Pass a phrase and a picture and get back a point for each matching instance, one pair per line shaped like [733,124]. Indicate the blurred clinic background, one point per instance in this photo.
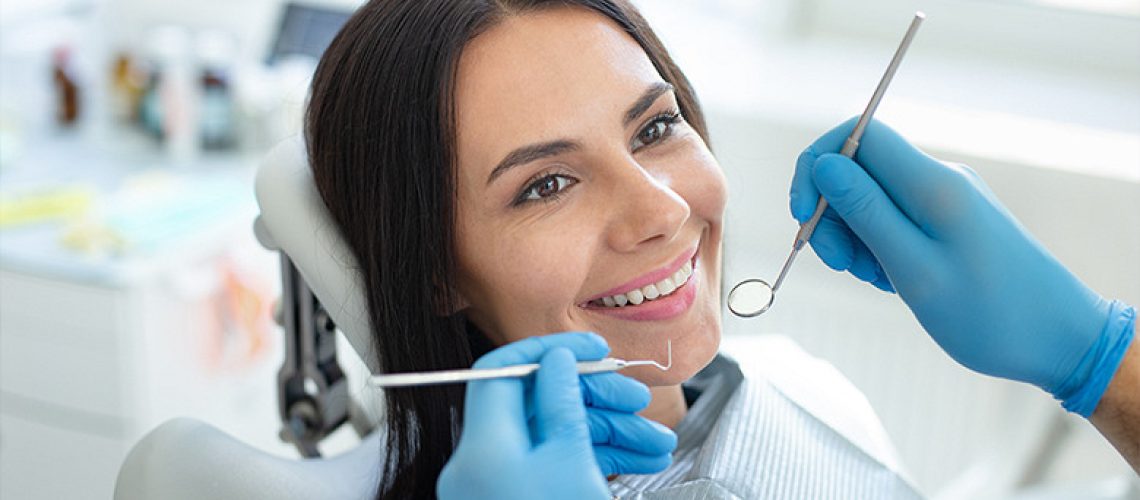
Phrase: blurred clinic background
[133,291]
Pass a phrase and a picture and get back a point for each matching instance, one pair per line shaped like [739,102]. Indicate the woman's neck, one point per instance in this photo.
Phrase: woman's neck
[667,405]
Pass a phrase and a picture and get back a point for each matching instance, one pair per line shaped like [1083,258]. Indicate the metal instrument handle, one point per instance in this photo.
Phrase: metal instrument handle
[852,144]
[456,376]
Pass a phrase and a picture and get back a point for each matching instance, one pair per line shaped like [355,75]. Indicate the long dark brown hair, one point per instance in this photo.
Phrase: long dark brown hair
[380,130]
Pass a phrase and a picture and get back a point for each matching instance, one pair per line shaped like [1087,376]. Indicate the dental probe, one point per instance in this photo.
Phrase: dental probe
[756,295]
[515,371]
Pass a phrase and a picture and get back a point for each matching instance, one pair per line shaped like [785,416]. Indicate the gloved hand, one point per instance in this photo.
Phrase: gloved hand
[991,296]
[576,435]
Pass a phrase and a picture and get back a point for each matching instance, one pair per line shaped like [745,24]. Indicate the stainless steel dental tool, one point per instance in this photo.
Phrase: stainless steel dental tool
[458,376]
[752,297]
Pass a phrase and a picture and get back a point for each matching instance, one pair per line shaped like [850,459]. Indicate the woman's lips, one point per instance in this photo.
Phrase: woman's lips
[660,309]
[648,278]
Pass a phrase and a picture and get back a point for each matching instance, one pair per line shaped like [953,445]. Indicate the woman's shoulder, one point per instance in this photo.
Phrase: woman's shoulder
[816,386]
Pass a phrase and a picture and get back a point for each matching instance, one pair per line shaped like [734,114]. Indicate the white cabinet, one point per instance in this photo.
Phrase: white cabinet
[54,452]
[89,362]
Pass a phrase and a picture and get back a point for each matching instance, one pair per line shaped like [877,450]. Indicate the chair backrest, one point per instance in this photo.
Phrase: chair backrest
[187,459]
[294,220]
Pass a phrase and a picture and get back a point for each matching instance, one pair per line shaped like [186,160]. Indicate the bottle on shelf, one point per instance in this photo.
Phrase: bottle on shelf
[66,87]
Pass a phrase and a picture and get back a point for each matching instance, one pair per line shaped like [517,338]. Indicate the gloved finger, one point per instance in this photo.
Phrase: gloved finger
[869,212]
[884,282]
[502,406]
[558,409]
[841,250]
[495,409]
[831,241]
[870,270]
[803,195]
[863,265]
[621,461]
[907,174]
[614,391]
[902,170]
[831,141]
[630,432]
[586,346]
[611,391]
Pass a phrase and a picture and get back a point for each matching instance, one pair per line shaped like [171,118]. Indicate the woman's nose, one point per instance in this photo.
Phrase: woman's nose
[648,208]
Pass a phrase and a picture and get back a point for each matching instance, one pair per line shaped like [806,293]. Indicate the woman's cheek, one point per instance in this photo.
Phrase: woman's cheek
[548,274]
[706,189]
[700,178]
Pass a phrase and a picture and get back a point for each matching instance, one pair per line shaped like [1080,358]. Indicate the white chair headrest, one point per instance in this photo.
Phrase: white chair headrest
[294,219]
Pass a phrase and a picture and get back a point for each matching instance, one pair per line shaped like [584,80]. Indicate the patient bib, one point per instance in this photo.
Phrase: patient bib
[765,433]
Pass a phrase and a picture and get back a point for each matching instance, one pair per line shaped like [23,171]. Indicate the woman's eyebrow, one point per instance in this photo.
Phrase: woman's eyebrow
[532,152]
[645,101]
[538,151]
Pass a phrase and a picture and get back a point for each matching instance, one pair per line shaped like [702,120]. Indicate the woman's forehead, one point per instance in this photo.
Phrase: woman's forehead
[545,74]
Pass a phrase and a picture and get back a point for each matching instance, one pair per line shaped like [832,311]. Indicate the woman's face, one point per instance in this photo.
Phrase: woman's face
[579,180]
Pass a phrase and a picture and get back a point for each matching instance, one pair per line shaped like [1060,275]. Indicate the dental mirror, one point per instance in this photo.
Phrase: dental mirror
[752,297]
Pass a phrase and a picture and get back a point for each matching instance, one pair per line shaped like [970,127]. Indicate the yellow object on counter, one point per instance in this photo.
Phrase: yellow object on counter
[51,204]
[93,239]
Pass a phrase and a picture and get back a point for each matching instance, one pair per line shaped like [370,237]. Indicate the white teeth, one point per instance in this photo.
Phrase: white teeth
[653,291]
[635,296]
[683,273]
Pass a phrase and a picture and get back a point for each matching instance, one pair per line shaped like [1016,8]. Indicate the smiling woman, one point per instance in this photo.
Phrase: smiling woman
[503,169]
[490,163]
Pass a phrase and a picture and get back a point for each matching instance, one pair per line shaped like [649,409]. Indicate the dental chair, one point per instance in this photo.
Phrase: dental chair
[188,459]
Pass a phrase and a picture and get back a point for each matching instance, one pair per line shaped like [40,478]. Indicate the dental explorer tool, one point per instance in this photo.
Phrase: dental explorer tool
[515,371]
[752,297]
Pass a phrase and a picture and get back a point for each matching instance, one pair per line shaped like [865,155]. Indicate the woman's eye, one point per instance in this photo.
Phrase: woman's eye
[657,129]
[546,188]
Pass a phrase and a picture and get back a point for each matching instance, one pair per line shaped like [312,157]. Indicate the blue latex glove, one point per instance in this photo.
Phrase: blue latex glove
[989,294]
[577,433]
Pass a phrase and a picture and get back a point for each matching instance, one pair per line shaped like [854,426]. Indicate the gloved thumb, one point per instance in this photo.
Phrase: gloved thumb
[867,210]
[559,410]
